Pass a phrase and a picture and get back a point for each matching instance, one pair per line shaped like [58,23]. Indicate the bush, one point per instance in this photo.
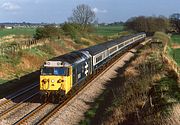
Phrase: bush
[47,31]
[69,29]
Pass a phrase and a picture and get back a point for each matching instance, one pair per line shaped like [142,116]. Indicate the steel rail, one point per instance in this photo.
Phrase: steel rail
[30,114]
[21,92]
[3,114]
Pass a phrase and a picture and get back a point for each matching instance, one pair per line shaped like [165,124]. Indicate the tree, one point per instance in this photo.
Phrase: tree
[175,22]
[82,15]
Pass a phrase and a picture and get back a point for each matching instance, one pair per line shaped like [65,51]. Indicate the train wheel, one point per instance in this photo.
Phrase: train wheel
[53,98]
[44,98]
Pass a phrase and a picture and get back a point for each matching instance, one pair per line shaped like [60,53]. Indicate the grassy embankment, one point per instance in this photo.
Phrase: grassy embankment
[14,65]
[146,92]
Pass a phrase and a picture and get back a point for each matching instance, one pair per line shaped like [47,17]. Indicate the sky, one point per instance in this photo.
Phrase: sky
[108,11]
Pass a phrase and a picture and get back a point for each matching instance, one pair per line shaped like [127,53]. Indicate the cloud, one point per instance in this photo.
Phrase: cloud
[10,6]
[96,10]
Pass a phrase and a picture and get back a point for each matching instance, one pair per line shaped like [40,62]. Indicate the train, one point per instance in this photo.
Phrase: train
[62,74]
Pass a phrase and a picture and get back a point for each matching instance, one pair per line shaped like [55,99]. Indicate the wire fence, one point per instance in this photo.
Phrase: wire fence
[22,45]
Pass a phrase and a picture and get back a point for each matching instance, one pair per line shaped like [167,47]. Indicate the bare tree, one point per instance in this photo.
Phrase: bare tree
[175,21]
[82,15]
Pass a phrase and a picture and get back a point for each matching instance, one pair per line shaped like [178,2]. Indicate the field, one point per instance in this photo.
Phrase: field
[175,54]
[175,51]
[175,39]
[17,31]
[109,30]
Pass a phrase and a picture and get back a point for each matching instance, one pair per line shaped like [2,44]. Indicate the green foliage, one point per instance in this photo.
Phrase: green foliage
[17,31]
[47,31]
[41,51]
[2,81]
[47,49]
[175,54]
[69,29]
[170,51]
[13,59]
[175,39]
[74,30]
[165,94]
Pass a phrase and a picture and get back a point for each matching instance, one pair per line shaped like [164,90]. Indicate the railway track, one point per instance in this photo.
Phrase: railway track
[30,114]
[18,100]
[48,110]
[17,94]
[42,120]
[4,113]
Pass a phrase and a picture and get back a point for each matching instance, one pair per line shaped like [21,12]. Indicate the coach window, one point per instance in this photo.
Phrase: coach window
[113,49]
[99,58]
[121,45]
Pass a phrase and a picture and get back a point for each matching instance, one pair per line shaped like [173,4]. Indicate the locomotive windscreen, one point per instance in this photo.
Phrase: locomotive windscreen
[60,71]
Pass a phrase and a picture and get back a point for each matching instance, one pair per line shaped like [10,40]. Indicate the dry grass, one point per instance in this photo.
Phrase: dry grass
[131,72]
[29,61]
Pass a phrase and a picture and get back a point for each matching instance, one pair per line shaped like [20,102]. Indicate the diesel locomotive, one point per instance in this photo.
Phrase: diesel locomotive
[61,74]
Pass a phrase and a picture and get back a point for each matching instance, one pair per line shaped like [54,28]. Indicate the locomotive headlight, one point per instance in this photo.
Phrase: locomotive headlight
[52,80]
[58,63]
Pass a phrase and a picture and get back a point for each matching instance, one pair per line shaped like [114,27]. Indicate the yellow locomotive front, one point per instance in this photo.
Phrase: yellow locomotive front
[55,78]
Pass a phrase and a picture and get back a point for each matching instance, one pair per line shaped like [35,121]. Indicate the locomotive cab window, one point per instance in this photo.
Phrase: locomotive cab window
[47,71]
[61,71]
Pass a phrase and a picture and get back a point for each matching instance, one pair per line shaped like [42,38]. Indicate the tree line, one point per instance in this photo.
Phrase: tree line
[152,24]
[80,23]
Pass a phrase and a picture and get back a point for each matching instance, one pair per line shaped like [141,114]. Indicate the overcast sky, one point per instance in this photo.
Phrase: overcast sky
[57,11]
